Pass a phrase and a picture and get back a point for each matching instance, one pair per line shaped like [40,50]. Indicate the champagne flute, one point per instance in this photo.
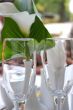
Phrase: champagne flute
[56,79]
[17,60]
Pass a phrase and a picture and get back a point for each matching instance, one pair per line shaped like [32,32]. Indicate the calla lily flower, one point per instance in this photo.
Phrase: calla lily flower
[23,19]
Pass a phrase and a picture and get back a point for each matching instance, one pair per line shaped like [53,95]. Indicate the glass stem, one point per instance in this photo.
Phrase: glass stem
[58,103]
[27,51]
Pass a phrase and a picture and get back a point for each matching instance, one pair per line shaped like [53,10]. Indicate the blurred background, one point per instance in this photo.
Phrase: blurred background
[51,10]
[55,10]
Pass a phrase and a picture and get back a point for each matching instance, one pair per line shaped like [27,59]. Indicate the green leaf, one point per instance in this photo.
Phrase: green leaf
[0,51]
[7,51]
[38,31]
[41,34]
[44,44]
[14,48]
[11,29]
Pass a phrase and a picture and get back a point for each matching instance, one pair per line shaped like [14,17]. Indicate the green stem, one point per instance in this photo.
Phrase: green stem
[27,51]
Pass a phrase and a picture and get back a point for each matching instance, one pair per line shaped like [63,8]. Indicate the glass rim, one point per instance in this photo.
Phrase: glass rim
[59,38]
[54,38]
[32,39]
[18,39]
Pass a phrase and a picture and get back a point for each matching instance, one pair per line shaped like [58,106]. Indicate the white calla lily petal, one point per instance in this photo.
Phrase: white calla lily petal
[24,20]
[7,8]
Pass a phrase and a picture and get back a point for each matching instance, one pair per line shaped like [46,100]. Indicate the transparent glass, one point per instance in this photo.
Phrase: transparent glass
[18,60]
[57,72]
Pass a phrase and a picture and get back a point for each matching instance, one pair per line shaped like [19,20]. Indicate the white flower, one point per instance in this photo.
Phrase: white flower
[7,8]
[23,19]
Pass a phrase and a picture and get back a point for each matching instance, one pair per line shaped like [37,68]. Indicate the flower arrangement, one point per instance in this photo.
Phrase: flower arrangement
[22,25]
